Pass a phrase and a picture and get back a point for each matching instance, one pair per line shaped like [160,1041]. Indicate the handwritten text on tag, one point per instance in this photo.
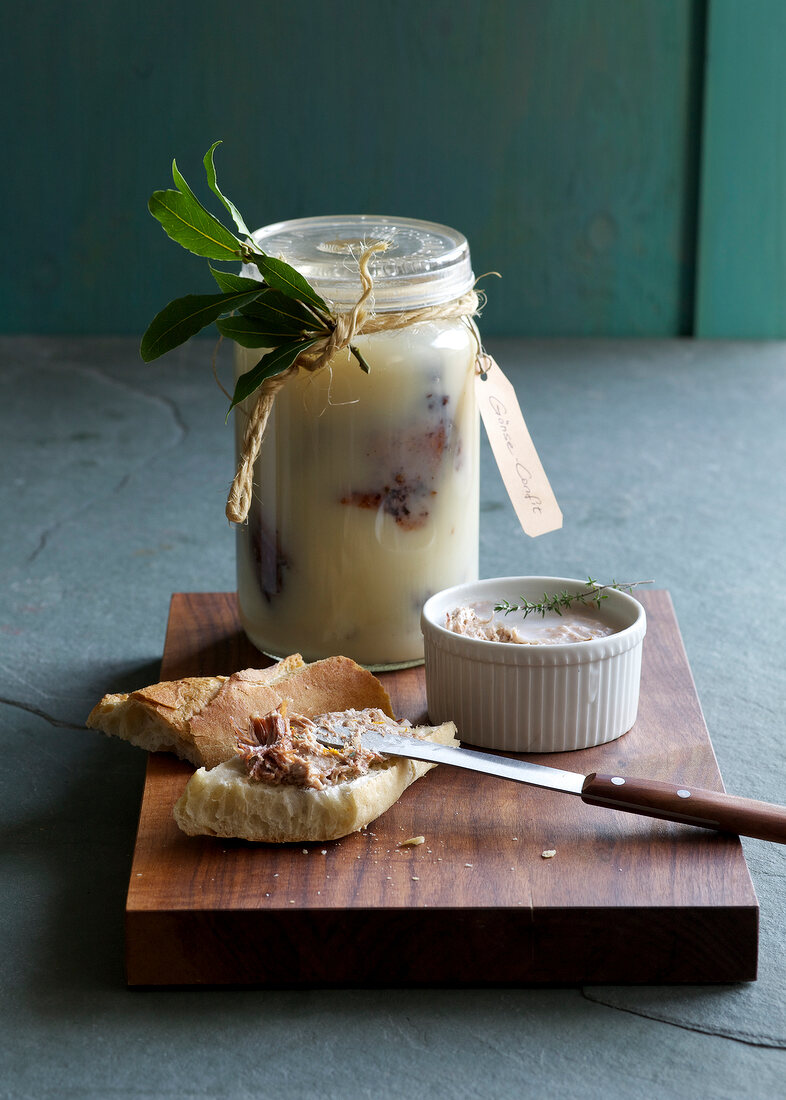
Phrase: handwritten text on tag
[522,473]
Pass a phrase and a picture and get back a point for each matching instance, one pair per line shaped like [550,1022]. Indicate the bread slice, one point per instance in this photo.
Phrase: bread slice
[193,717]
[225,802]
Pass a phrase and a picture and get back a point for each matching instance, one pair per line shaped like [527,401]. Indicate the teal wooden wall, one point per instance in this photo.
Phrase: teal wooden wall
[563,137]
[741,291]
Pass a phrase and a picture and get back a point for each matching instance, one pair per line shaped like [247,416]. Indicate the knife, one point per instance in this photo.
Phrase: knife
[672,801]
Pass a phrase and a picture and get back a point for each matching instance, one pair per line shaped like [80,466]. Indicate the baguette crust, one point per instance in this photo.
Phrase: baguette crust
[225,802]
[158,718]
[194,717]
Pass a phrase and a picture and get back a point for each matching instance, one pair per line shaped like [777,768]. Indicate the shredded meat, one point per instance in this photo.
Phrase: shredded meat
[282,749]
[404,482]
[465,620]
[408,502]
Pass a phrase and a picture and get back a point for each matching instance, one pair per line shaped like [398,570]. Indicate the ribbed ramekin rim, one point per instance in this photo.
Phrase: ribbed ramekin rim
[515,654]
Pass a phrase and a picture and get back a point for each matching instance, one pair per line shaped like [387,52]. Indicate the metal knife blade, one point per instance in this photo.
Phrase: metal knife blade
[671,801]
[506,768]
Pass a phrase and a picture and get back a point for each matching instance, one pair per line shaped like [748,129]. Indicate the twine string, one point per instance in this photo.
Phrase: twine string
[360,320]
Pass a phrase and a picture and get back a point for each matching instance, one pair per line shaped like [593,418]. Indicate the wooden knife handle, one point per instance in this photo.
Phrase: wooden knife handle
[690,805]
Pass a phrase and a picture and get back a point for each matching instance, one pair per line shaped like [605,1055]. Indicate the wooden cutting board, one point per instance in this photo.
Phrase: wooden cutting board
[625,898]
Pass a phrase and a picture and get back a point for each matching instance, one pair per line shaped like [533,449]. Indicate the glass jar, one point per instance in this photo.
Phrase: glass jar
[365,496]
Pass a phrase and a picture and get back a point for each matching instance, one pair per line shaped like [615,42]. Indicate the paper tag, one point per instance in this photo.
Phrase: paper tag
[515,454]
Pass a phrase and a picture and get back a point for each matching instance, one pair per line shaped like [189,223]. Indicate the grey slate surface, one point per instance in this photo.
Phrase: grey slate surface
[668,460]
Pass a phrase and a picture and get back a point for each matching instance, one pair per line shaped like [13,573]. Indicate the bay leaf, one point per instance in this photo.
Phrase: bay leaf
[252,333]
[230,281]
[275,362]
[186,221]
[184,317]
[210,170]
[275,308]
[280,276]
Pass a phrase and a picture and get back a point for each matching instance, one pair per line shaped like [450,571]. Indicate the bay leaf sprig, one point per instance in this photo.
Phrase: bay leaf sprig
[557,601]
[280,312]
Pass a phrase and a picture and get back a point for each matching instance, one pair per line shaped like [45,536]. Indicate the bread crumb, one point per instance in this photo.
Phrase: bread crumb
[305,851]
[412,842]
[415,878]
[469,864]
[549,853]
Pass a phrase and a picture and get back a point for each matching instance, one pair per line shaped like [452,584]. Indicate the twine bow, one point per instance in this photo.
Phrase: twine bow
[360,320]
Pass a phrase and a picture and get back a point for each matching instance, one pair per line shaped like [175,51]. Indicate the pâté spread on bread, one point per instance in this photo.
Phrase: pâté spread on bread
[264,776]
[283,786]
[281,748]
[552,629]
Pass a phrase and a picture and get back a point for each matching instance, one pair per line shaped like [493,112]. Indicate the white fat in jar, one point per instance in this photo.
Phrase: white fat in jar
[365,494]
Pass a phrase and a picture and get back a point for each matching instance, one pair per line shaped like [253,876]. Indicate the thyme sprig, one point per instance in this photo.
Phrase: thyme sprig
[280,313]
[555,602]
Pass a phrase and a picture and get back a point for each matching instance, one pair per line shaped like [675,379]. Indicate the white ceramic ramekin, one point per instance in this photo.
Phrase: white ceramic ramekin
[533,698]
